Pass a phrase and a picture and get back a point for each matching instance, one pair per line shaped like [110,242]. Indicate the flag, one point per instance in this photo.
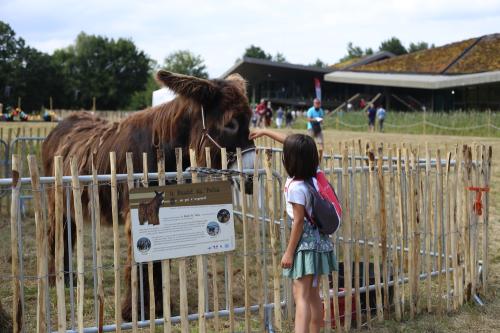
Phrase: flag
[317,87]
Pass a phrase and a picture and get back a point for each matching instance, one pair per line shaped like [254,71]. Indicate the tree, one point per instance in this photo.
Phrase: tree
[107,69]
[256,52]
[279,57]
[185,62]
[393,45]
[419,46]
[354,52]
[319,63]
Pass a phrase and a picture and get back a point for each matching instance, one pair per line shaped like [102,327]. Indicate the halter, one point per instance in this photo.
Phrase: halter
[231,156]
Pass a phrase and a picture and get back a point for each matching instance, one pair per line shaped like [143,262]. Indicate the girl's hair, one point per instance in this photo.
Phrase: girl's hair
[300,156]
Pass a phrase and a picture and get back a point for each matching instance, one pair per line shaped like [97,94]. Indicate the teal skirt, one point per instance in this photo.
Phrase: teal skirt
[310,262]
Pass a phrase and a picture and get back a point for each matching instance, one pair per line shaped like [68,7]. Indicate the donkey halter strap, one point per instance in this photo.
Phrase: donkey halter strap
[205,131]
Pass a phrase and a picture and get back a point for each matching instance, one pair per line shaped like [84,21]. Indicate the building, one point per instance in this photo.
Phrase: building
[464,75]
[459,76]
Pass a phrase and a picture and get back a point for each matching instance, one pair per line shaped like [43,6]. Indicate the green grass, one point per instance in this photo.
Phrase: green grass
[456,123]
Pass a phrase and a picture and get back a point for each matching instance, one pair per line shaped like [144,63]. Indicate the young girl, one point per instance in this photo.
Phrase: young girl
[309,254]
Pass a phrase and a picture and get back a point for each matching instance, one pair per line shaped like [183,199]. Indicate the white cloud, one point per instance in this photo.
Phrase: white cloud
[221,30]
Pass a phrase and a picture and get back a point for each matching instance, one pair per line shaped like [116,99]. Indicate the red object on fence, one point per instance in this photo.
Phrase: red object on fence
[477,207]
[341,311]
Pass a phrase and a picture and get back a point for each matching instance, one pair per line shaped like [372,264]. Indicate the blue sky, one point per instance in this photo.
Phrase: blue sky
[220,30]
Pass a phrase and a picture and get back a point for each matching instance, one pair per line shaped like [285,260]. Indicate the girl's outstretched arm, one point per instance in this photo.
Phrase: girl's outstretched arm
[278,136]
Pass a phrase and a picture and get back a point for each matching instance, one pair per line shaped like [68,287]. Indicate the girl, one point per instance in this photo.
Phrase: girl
[309,254]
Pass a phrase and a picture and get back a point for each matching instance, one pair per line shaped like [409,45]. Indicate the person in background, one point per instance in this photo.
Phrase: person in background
[279,117]
[362,104]
[381,117]
[260,110]
[268,115]
[255,117]
[289,118]
[371,114]
[315,116]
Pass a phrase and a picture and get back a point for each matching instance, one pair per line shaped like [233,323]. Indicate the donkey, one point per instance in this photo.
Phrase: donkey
[149,211]
[205,113]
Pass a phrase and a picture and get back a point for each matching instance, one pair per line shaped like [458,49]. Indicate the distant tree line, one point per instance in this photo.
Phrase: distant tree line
[114,71]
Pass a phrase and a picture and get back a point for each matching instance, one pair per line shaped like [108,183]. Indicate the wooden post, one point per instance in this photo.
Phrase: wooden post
[346,219]
[258,245]
[402,218]
[383,227]
[467,218]
[151,285]
[375,235]
[229,258]
[356,236]
[41,246]
[17,314]
[77,203]
[59,244]
[245,241]
[335,274]
[182,261]
[133,267]
[486,172]
[447,229]
[395,240]
[116,241]
[199,259]
[429,227]
[165,264]
[274,240]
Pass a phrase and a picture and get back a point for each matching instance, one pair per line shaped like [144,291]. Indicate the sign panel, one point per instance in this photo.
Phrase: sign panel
[181,220]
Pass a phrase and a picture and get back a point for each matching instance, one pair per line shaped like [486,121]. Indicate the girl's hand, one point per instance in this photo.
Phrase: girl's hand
[256,133]
[287,260]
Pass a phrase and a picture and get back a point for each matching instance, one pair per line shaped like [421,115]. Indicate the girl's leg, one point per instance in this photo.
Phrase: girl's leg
[301,294]
[316,310]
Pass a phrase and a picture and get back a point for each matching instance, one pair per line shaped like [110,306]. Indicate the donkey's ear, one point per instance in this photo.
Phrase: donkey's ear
[239,82]
[201,90]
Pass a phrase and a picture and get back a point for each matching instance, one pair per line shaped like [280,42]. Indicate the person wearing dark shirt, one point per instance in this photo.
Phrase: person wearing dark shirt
[371,113]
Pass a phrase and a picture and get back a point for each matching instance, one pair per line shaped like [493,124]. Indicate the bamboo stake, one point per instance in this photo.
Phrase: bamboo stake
[346,219]
[116,241]
[133,270]
[165,264]
[202,322]
[77,203]
[17,314]
[229,258]
[375,236]
[274,240]
[182,261]
[59,244]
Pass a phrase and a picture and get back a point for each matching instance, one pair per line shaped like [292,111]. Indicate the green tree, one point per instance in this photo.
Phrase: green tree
[186,62]
[354,52]
[26,73]
[419,46]
[279,57]
[256,52]
[319,63]
[110,70]
[393,45]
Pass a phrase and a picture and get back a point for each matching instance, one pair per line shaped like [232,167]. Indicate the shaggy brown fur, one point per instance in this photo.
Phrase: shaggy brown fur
[149,211]
[174,124]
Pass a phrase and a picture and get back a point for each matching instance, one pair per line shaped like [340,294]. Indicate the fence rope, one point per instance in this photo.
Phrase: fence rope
[424,123]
